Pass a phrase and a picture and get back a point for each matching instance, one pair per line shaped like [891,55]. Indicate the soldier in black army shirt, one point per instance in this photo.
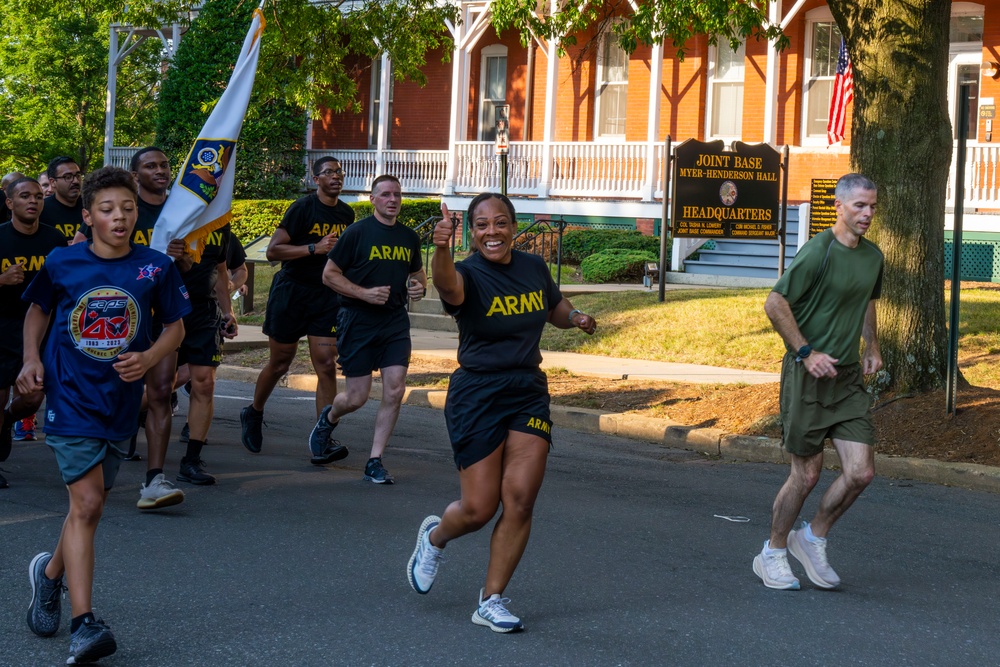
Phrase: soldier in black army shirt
[299,303]
[64,209]
[375,267]
[24,245]
[497,410]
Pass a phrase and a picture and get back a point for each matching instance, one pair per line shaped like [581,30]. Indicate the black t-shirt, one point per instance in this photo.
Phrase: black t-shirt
[4,211]
[506,307]
[66,219]
[200,279]
[29,250]
[307,221]
[147,215]
[372,254]
[236,255]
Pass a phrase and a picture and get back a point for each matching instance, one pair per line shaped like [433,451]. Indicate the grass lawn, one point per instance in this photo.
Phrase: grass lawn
[725,328]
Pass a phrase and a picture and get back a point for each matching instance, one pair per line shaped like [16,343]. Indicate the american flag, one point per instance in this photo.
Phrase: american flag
[843,93]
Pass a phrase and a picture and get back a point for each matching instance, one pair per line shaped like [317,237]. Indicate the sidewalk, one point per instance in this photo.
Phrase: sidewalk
[444,344]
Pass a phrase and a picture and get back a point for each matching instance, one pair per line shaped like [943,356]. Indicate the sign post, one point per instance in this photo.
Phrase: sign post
[951,389]
[502,142]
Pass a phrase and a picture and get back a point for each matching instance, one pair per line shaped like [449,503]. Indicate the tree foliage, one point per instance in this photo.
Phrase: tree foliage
[53,84]
[270,152]
[666,21]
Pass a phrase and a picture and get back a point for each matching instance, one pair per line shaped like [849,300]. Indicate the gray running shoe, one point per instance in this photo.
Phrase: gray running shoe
[91,642]
[45,610]
[493,614]
[376,473]
[812,555]
[158,494]
[423,565]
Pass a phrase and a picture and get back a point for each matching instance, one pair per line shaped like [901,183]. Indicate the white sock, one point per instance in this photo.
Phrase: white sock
[808,531]
[768,551]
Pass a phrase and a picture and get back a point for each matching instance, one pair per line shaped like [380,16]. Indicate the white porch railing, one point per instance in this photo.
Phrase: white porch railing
[419,172]
[580,169]
[982,181]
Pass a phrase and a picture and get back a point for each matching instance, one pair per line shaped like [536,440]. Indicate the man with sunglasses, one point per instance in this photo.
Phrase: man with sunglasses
[64,209]
[299,304]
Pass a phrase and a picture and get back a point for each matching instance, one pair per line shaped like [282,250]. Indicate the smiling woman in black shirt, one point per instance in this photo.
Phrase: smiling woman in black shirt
[497,409]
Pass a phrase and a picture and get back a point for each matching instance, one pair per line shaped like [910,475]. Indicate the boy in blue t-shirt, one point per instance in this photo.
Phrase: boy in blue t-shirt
[99,298]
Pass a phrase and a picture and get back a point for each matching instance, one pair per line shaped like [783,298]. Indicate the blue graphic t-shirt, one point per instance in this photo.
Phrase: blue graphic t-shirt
[100,308]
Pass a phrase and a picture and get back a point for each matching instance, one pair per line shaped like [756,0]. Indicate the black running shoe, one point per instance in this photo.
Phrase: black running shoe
[173,403]
[6,436]
[376,473]
[192,473]
[91,642]
[3,482]
[251,420]
[132,456]
[322,446]
[185,434]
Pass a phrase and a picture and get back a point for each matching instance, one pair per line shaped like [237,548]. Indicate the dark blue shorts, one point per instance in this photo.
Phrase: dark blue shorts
[370,340]
[482,407]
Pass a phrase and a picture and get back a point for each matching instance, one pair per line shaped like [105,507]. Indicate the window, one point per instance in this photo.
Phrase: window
[493,89]
[726,72]
[376,104]
[612,88]
[968,28]
[965,57]
[821,63]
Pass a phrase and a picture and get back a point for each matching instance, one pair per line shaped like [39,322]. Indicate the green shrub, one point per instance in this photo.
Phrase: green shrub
[260,217]
[578,244]
[616,265]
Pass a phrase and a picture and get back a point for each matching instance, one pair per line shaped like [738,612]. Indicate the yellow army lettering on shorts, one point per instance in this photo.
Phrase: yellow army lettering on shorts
[540,424]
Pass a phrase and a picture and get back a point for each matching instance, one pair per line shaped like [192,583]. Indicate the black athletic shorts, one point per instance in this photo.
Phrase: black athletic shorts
[202,344]
[370,340]
[296,309]
[482,407]
[11,350]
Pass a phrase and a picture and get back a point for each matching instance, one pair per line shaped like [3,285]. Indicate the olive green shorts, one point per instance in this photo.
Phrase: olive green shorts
[815,409]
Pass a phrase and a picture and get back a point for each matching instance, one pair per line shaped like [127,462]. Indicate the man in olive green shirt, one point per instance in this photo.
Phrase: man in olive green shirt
[821,307]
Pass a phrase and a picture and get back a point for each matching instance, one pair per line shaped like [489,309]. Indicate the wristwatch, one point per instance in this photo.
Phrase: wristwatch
[311,248]
[803,352]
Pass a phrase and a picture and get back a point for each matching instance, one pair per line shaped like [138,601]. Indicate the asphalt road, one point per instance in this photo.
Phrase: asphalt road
[283,563]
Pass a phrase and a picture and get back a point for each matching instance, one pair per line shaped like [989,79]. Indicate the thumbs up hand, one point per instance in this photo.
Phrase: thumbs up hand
[444,231]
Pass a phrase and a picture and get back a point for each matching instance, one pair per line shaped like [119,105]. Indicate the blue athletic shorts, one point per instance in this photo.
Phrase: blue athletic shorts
[77,456]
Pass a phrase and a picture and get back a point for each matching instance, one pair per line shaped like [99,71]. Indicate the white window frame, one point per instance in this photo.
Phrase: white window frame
[600,86]
[487,105]
[963,53]
[373,99]
[713,62]
[818,15]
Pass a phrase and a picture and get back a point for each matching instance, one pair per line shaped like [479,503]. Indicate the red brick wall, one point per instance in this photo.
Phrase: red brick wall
[421,114]
[346,130]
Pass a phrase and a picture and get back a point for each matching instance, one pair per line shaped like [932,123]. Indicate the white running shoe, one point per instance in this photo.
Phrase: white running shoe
[423,565]
[812,555]
[493,614]
[158,494]
[774,570]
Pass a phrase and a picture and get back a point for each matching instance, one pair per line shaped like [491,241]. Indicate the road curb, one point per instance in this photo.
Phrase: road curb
[708,441]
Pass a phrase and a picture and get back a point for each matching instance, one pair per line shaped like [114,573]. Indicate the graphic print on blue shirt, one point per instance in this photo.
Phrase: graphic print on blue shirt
[99,309]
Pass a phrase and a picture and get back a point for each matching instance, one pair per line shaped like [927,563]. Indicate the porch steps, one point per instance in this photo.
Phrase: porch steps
[747,259]
[428,313]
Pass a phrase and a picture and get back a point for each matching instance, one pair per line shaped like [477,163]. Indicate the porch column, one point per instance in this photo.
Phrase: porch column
[109,109]
[385,85]
[653,123]
[457,66]
[549,131]
[771,80]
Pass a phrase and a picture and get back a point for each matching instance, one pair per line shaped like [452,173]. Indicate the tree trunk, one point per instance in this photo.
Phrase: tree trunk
[902,140]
